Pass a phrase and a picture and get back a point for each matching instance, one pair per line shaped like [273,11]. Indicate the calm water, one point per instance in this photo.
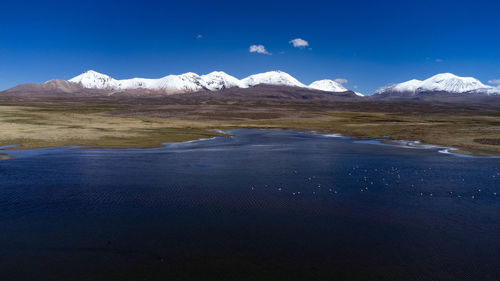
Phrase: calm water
[263,205]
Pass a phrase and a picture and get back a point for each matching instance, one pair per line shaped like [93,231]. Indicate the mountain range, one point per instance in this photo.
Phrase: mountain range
[92,82]
[192,82]
[440,84]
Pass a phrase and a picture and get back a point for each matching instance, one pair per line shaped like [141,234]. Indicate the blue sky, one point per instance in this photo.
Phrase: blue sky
[369,43]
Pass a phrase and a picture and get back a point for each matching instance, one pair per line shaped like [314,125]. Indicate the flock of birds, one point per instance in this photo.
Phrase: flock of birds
[420,183]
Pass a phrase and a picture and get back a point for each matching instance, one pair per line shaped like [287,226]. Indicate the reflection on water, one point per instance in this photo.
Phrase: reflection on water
[272,205]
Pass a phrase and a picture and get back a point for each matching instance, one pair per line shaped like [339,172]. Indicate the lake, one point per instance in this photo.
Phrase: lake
[262,205]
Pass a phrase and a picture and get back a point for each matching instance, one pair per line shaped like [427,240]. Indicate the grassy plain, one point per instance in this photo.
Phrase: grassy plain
[140,122]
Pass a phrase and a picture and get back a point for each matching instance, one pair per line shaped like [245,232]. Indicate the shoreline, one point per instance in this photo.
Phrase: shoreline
[4,156]
[415,145]
[227,133]
[439,148]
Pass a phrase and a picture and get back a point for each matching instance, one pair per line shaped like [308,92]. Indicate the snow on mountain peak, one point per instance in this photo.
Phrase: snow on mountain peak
[408,86]
[276,77]
[187,82]
[451,83]
[218,80]
[443,76]
[443,82]
[93,79]
[327,86]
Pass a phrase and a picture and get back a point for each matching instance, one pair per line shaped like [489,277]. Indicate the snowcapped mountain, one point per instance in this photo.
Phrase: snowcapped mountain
[272,78]
[448,82]
[95,80]
[219,80]
[190,82]
[327,86]
[440,83]
[187,82]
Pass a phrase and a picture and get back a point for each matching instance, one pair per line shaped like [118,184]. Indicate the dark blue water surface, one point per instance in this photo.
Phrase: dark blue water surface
[262,205]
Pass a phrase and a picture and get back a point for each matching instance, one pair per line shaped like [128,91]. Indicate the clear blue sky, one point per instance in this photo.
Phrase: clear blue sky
[369,43]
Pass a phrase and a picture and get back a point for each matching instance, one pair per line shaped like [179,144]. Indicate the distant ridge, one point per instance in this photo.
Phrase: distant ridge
[327,85]
[440,84]
[191,82]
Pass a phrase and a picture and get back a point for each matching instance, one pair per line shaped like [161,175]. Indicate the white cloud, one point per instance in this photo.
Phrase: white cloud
[494,81]
[341,80]
[355,86]
[259,49]
[439,60]
[199,36]
[299,43]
